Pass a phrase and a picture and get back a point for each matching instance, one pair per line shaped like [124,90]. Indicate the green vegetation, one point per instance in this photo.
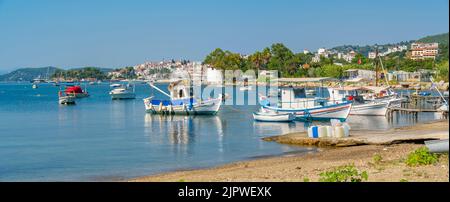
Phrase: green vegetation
[377,158]
[403,180]
[289,64]
[421,156]
[83,73]
[347,173]
[306,179]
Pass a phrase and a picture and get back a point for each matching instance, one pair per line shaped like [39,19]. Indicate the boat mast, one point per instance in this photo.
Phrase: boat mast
[376,66]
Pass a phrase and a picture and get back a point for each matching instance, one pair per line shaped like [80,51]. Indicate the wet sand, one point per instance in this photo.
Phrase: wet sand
[301,167]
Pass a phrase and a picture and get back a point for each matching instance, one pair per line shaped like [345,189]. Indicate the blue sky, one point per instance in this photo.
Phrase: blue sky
[115,33]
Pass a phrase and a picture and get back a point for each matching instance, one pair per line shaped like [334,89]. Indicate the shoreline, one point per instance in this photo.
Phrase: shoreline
[299,167]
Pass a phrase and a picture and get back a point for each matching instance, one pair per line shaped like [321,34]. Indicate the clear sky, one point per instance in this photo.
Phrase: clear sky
[115,33]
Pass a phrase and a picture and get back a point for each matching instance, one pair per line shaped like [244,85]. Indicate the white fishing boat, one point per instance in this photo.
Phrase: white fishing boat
[273,117]
[365,101]
[66,99]
[180,101]
[123,92]
[294,100]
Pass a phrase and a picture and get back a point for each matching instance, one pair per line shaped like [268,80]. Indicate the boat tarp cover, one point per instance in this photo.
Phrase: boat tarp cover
[74,89]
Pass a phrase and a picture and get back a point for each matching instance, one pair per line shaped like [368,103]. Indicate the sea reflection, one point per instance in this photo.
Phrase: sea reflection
[181,130]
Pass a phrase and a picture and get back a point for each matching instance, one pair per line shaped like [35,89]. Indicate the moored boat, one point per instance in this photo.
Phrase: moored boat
[181,102]
[273,117]
[65,99]
[123,92]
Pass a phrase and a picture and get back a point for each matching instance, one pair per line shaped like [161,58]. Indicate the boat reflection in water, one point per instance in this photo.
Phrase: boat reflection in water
[182,132]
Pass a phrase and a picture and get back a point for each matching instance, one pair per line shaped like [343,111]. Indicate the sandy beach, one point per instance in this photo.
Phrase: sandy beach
[307,167]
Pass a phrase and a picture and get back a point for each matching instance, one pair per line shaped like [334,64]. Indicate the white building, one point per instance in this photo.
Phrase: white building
[424,50]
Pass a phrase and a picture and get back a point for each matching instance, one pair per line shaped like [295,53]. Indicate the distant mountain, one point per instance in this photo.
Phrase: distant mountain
[28,74]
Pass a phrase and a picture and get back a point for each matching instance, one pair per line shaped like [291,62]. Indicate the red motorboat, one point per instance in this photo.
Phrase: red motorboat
[76,91]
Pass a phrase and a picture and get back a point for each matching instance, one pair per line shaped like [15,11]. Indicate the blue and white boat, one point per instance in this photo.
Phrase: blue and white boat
[294,100]
[181,102]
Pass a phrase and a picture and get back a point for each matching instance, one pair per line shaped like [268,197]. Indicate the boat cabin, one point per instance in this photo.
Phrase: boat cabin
[179,90]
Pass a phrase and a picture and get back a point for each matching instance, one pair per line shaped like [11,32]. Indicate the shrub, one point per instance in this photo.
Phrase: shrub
[347,173]
[377,158]
[421,156]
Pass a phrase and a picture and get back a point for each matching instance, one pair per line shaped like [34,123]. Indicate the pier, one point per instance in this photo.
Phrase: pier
[416,104]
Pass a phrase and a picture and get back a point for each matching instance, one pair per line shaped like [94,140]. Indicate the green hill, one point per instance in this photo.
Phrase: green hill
[439,38]
[28,74]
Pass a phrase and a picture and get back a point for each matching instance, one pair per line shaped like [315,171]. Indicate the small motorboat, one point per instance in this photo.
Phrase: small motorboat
[34,86]
[66,99]
[273,117]
[123,92]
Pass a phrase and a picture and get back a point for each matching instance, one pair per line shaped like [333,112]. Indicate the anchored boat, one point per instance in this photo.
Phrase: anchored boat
[273,117]
[366,100]
[66,99]
[182,101]
[294,99]
[123,92]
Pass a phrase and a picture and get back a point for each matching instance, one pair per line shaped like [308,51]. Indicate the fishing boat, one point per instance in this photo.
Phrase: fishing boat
[123,92]
[273,117]
[76,91]
[366,101]
[66,99]
[182,101]
[294,100]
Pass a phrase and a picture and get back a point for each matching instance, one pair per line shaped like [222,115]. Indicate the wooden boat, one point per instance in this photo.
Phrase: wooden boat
[294,99]
[181,103]
[367,101]
[273,117]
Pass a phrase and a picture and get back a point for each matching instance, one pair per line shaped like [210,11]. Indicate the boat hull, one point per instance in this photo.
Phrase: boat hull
[335,111]
[207,107]
[67,100]
[273,117]
[370,109]
[119,96]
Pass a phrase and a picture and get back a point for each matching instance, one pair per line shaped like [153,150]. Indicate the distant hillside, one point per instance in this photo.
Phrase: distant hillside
[103,70]
[442,39]
[28,74]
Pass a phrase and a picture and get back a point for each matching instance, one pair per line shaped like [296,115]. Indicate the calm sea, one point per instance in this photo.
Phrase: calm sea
[100,139]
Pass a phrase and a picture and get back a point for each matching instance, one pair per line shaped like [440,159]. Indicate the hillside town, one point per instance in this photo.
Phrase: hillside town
[207,73]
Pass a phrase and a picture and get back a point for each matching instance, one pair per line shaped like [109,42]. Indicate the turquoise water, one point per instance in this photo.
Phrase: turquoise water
[100,139]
